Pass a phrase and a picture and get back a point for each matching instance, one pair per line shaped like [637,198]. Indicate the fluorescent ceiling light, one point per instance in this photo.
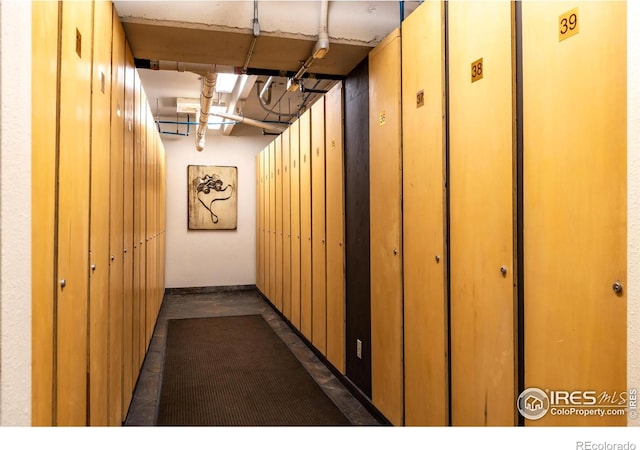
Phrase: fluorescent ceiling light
[225,82]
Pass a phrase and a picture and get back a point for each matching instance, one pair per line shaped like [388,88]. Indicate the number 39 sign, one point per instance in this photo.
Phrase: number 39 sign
[568,24]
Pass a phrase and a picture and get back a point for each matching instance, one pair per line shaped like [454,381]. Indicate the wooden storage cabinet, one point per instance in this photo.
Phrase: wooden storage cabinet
[334,178]
[100,359]
[72,228]
[306,261]
[385,177]
[294,164]
[574,163]
[273,213]
[119,331]
[286,224]
[424,217]
[277,148]
[129,373]
[482,267]
[318,245]
[87,346]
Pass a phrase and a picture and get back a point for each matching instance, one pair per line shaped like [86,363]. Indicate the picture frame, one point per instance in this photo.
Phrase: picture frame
[212,197]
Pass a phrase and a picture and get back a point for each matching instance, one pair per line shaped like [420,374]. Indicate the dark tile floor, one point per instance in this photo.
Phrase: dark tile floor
[198,303]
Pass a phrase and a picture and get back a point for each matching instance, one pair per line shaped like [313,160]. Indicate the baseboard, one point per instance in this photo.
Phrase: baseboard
[209,289]
[346,382]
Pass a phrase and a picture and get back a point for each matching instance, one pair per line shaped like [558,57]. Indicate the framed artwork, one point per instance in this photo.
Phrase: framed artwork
[213,197]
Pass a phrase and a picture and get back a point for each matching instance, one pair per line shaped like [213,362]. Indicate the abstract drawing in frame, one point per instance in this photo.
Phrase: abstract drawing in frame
[213,197]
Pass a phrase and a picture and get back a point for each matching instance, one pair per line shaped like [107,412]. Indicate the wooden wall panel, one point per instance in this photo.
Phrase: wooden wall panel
[44,119]
[286,225]
[318,245]
[100,352]
[129,374]
[73,214]
[305,225]
[483,303]
[424,217]
[357,226]
[386,227]
[278,174]
[294,164]
[334,118]
[574,129]
[272,222]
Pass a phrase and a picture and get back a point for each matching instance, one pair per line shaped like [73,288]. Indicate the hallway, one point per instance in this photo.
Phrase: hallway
[195,302]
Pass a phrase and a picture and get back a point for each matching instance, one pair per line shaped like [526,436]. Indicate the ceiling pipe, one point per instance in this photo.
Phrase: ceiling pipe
[266,90]
[256,33]
[206,98]
[320,49]
[255,123]
[322,45]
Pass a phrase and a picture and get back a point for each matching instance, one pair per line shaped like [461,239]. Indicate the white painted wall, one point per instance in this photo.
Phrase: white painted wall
[15,213]
[633,195]
[198,258]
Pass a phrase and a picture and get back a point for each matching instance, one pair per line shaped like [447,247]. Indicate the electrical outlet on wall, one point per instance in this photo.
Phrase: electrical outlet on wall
[359,348]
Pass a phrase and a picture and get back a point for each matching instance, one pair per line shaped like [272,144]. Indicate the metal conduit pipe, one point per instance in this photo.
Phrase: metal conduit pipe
[255,123]
[206,97]
[321,46]
[176,122]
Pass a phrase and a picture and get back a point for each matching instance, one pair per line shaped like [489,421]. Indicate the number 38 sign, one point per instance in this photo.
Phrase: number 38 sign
[568,24]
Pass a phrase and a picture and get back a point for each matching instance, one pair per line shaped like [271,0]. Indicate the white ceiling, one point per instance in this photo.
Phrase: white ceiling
[221,33]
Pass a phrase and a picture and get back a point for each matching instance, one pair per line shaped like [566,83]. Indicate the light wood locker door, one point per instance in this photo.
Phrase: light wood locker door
[44,120]
[318,245]
[150,256]
[574,129]
[259,209]
[135,318]
[278,173]
[129,374]
[258,204]
[264,236]
[286,225]
[385,176]
[117,325]
[483,304]
[99,314]
[424,218]
[294,163]
[151,233]
[335,228]
[305,225]
[73,214]
[272,222]
[142,225]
